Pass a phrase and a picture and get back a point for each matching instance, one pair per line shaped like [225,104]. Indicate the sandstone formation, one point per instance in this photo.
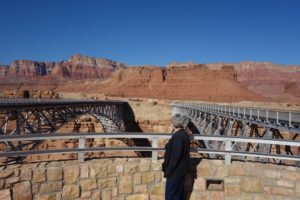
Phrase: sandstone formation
[266,78]
[77,67]
[252,81]
[180,82]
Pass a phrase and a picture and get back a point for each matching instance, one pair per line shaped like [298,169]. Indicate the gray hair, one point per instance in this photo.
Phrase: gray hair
[178,121]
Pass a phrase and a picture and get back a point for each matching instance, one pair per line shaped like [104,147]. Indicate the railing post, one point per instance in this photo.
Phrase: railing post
[81,146]
[290,119]
[228,155]
[154,145]
[277,118]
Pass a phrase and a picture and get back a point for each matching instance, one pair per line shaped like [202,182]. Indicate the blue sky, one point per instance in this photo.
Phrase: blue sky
[139,32]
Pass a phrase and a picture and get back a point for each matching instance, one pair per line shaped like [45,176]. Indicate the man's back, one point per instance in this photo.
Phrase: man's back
[177,155]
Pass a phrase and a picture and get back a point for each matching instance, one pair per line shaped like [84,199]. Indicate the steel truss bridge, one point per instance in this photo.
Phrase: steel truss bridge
[218,131]
[40,116]
[243,123]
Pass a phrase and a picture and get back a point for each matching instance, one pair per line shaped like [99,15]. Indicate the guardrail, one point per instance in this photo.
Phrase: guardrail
[16,103]
[289,119]
[154,137]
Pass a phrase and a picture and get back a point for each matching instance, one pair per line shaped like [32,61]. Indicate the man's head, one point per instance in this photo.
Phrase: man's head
[177,121]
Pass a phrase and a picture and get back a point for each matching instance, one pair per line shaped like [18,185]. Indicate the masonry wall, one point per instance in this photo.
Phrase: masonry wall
[139,179]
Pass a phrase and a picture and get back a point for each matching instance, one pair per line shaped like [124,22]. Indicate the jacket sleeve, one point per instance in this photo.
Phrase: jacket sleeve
[177,148]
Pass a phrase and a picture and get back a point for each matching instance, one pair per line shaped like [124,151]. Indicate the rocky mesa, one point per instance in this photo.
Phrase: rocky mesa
[77,67]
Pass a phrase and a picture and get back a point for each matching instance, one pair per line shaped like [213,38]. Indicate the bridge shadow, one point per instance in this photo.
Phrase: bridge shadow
[191,176]
[132,126]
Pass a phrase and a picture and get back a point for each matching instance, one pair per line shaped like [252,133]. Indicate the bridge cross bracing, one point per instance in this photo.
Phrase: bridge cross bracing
[244,122]
[218,130]
[42,116]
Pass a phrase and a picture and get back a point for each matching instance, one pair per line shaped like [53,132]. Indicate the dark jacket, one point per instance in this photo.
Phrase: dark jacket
[177,154]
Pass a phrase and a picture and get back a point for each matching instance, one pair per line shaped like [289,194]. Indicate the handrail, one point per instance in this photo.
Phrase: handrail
[279,119]
[228,141]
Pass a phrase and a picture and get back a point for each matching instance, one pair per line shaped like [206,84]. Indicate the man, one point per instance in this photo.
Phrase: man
[175,165]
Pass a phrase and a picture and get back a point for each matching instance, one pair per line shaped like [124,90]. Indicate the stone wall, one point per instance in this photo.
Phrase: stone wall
[139,179]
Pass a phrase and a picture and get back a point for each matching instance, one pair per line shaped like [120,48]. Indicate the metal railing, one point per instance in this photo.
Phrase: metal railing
[5,103]
[287,119]
[154,137]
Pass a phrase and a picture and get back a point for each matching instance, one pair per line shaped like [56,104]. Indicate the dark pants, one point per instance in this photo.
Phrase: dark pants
[175,188]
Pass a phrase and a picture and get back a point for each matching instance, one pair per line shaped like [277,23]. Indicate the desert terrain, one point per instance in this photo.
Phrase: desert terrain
[149,90]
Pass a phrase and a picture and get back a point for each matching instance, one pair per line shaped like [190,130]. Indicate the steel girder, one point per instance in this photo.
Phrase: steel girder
[212,122]
[32,117]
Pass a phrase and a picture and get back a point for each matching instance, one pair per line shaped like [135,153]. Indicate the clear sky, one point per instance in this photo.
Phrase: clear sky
[139,32]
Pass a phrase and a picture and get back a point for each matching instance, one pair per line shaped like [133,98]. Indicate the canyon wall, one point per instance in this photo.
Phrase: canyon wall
[77,67]
[251,81]
[196,82]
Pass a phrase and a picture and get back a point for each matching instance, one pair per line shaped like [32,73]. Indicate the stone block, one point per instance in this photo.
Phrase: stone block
[279,191]
[251,184]
[111,169]
[292,175]
[45,197]
[221,171]
[158,175]
[125,184]
[137,179]
[54,174]
[86,194]
[5,194]
[26,175]
[54,164]
[119,168]
[155,197]
[157,189]
[39,175]
[203,196]
[156,166]
[6,173]
[231,180]
[70,192]
[217,195]
[88,184]
[107,182]
[50,187]
[84,171]
[131,168]
[140,189]
[297,189]
[17,172]
[98,171]
[147,177]
[114,192]
[285,183]
[138,197]
[236,170]
[2,184]
[200,184]
[232,190]
[144,166]
[271,174]
[58,195]
[71,174]
[96,195]
[22,191]
[10,181]
[106,194]
[204,168]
